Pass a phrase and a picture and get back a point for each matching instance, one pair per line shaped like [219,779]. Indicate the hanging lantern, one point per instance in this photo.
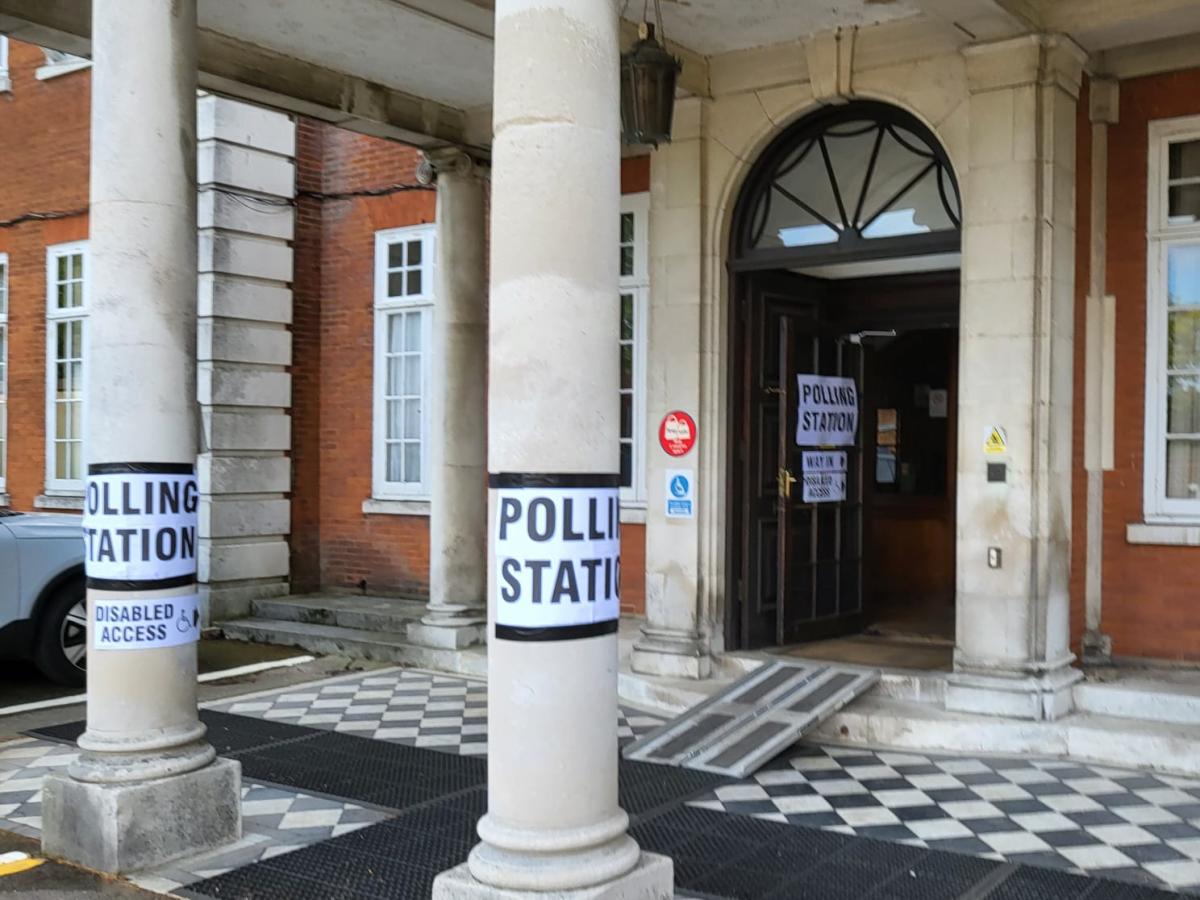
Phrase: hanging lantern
[648,74]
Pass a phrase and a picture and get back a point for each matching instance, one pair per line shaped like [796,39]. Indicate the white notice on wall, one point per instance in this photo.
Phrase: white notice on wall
[558,562]
[140,526]
[828,411]
[144,624]
[824,476]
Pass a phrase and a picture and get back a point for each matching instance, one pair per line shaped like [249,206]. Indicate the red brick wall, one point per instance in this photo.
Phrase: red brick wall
[334,544]
[1151,604]
[44,148]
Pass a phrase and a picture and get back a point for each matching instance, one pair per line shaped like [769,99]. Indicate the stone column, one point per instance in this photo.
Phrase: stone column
[554,823]
[1098,393]
[673,642]
[146,787]
[244,299]
[1012,653]
[456,616]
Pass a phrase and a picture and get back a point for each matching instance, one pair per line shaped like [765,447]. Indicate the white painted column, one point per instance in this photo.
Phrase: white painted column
[674,639]
[554,823]
[1012,654]
[146,787]
[1099,370]
[456,615]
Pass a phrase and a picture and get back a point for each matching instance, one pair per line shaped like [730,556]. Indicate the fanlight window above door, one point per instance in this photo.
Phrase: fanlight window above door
[849,177]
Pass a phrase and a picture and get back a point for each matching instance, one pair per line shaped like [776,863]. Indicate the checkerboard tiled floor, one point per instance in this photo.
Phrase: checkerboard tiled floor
[407,707]
[274,820]
[1061,814]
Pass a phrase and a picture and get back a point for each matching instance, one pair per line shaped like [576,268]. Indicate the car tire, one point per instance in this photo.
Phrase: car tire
[61,649]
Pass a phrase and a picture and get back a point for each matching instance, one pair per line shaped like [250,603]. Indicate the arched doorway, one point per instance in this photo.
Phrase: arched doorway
[844,261]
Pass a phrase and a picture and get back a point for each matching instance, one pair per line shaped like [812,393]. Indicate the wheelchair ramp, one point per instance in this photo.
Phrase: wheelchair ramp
[744,726]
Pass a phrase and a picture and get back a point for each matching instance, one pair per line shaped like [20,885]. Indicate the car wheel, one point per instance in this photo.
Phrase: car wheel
[61,651]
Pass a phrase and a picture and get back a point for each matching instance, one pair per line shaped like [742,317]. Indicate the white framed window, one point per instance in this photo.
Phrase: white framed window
[59,63]
[1172,457]
[634,293]
[66,318]
[3,370]
[5,81]
[404,298]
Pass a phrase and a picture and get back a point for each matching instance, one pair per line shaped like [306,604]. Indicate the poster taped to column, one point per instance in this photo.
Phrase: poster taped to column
[824,476]
[557,558]
[140,526]
[828,411]
[145,623]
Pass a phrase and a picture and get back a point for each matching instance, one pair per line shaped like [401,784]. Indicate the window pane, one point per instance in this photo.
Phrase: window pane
[395,285]
[1183,404]
[414,282]
[77,265]
[850,147]
[61,462]
[395,373]
[77,340]
[63,271]
[1183,275]
[918,210]
[626,261]
[60,380]
[74,461]
[75,420]
[395,256]
[394,460]
[627,366]
[395,326]
[414,253]
[412,463]
[626,465]
[627,317]
[1183,204]
[412,375]
[626,416]
[412,419]
[412,331]
[393,419]
[1185,159]
[1183,342]
[1183,470]
[76,373]
[626,228]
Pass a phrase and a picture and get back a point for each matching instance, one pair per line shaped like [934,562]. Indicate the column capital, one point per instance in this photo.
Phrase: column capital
[447,161]
[1104,100]
[1047,59]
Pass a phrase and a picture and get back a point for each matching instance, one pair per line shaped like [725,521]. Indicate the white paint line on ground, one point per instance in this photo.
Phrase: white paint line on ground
[235,672]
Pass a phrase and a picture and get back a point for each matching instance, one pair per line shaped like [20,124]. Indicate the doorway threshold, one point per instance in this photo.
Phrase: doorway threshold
[878,650]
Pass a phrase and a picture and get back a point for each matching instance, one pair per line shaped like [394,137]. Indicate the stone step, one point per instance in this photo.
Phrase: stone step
[357,643]
[1161,700]
[362,613]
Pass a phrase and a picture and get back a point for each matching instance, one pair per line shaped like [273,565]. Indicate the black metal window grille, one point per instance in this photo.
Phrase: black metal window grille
[860,181]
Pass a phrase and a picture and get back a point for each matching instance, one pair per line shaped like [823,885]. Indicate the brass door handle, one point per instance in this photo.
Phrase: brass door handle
[785,480]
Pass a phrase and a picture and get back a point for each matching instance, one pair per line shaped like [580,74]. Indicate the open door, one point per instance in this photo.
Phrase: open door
[801,550]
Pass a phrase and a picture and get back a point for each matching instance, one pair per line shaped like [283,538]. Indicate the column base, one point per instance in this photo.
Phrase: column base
[448,635]
[653,878]
[1022,695]
[126,827]
[670,654]
[1097,648]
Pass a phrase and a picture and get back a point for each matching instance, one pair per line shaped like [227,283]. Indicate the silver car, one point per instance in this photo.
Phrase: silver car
[43,616]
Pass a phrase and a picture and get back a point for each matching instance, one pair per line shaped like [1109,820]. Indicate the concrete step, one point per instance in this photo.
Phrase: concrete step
[356,612]
[879,722]
[1163,699]
[357,643]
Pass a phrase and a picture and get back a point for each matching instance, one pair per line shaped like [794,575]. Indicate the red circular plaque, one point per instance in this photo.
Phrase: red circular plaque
[677,433]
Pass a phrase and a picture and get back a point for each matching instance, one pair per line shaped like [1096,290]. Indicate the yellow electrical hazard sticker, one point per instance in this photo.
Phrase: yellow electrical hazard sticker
[997,441]
[12,863]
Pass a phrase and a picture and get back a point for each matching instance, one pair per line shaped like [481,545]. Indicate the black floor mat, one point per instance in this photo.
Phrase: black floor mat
[439,797]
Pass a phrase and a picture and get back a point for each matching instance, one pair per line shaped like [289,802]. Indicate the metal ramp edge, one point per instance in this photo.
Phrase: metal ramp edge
[739,729]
